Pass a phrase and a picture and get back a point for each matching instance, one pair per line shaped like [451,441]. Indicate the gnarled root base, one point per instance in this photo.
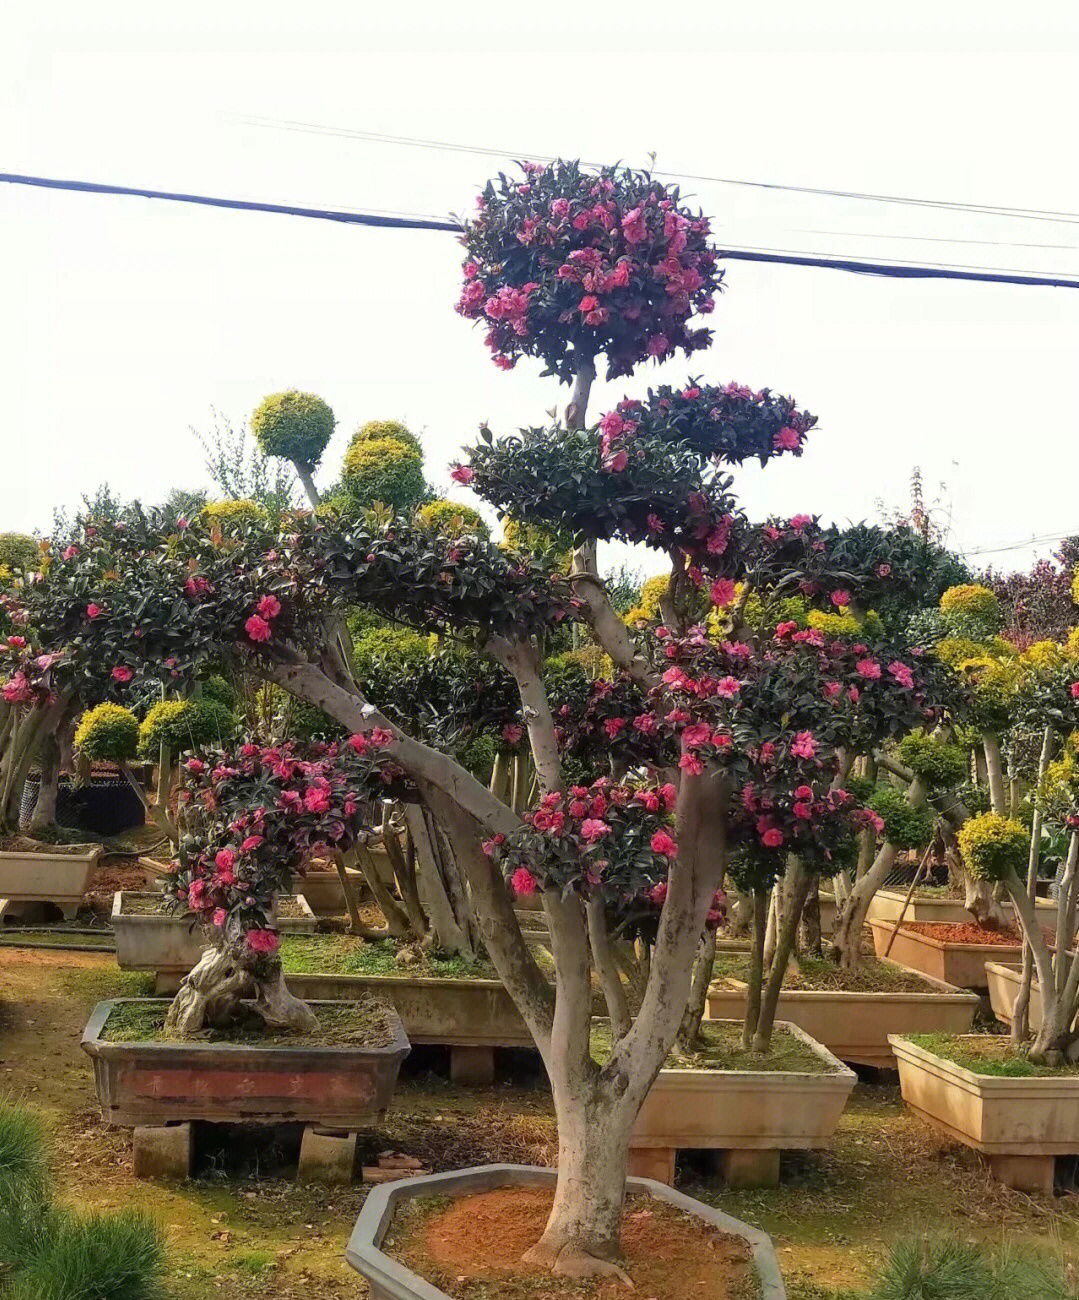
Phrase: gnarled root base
[572,1259]
[230,981]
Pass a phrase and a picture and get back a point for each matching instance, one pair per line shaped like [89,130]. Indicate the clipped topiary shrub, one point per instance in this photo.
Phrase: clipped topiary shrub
[905,826]
[226,513]
[108,733]
[386,470]
[936,762]
[451,519]
[218,688]
[376,430]
[992,846]
[293,426]
[971,610]
[19,552]
[185,725]
[392,648]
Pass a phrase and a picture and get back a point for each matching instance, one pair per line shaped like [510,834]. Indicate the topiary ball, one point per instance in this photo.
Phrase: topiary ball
[937,763]
[905,826]
[19,552]
[185,725]
[385,470]
[451,519]
[108,733]
[374,430]
[293,426]
[232,513]
[993,847]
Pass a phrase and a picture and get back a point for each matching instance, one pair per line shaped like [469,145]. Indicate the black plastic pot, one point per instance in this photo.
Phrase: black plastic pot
[103,805]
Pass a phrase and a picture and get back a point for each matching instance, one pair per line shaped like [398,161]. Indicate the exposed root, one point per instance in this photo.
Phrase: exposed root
[280,1009]
[229,982]
[574,1261]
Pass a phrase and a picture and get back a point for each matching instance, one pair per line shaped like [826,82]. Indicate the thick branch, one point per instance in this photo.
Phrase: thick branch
[599,613]
[521,659]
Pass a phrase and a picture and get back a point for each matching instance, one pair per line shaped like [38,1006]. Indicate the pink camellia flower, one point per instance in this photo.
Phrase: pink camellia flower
[633,227]
[798,522]
[902,673]
[268,607]
[316,800]
[358,743]
[491,846]
[855,694]
[18,642]
[252,842]
[772,838]
[512,733]
[122,673]
[869,669]
[616,463]
[723,591]
[93,611]
[462,474]
[840,598]
[691,764]
[1075,690]
[658,345]
[728,687]
[225,859]
[658,893]
[873,818]
[664,844]
[523,881]
[262,940]
[803,745]
[614,726]
[70,552]
[182,523]
[884,570]
[803,810]
[17,690]
[257,628]
[593,830]
[380,737]
[655,524]
[787,439]
[220,917]
[195,766]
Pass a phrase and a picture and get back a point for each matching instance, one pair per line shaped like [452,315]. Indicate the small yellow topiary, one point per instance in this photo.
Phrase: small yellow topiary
[386,470]
[376,430]
[451,519]
[223,513]
[108,733]
[972,599]
[993,847]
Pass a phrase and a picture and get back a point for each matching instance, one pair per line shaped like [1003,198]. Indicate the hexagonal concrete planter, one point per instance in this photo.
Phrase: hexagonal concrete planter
[170,943]
[44,877]
[159,1083]
[887,905]
[855,1026]
[1020,1124]
[389,1280]
[749,1115]
[960,964]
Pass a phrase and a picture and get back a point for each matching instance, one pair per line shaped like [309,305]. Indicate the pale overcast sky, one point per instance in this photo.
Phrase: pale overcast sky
[125,320]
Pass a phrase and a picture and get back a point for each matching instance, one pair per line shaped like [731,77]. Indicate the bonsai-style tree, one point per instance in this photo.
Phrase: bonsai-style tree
[296,427]
[735,743]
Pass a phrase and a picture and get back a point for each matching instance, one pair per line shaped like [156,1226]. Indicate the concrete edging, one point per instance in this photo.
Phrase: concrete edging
[390,1280]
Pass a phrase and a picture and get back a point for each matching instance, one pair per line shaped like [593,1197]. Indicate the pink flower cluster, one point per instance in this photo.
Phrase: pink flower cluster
[259,626]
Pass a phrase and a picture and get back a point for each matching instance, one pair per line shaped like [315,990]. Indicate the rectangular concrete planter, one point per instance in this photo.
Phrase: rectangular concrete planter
[740,1112]
[855,1026]
[44,877]
[160,1083]
[1004,983]
[170,943]
[389,1280]
[887,905]
[1021,1124]
[960,964]
[324,894]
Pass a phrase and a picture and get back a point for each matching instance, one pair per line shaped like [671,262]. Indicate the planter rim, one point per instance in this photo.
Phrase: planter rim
[838,1073]
[420,981]
[899,896]
[93,852]
[365,1255]
[93,1044]
[988,1086]
[941,992]
[118,912]
[917,936]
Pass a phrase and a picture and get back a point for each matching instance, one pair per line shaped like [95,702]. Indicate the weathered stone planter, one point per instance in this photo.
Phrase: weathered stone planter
[324,893]
[887,905]
[470,1016]
[44,877]
[389,1280]
[165,1082]
[748,1115]
[1020,1124]
[959,964]
[855,1026]
[171,943]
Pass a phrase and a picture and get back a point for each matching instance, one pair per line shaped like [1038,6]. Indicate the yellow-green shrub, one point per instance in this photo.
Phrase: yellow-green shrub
[184,725]
[293,426]
[451,519]
[376,430]
[992,846]
[108,733]
[386,470]
[937,763]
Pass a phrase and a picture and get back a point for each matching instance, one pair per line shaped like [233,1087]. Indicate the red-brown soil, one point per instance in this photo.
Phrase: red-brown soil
[473,1248]
[967,932]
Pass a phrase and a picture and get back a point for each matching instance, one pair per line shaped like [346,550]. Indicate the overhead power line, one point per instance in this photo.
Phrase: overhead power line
[414,142]
[897,269]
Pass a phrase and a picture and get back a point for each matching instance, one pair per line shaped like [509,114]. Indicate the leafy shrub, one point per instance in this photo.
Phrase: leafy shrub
[218,688]
[971,609]
[225,513]
[992,846]
[451,519]
[386,470]
[905,826]
[19,552]
[376,430]
[108,733]
[392,648]
[293,426]
[185,725]
[936,762]
[847,624]
[533,540]
[975,798]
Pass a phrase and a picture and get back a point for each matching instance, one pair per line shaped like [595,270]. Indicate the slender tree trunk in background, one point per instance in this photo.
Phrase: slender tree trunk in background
[798,888]
[739,913]
[810,929]
[994,771]
[303,473]
[1021,1009]
[500,776]
[756,968]
[690,1028]
[614,993]
[44,814]
[404,871]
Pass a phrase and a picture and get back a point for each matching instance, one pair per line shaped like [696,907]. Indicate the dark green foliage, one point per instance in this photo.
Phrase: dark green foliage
[937,763]
[905,826]
[18,552]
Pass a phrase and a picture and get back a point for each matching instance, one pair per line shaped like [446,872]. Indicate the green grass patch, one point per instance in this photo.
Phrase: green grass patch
[821,974]
[365,1022]
[254,1262]
[719,1047]
[96,983]
[346,954]
[58,938]
[989,1054]
[948,1269]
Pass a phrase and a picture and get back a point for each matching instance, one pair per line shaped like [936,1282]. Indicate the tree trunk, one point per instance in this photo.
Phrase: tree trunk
[810,937]
[739,913]
[981,902]
[44,813]
[798,887]
[994,770]
[698,992]
[756,969]
[226,982]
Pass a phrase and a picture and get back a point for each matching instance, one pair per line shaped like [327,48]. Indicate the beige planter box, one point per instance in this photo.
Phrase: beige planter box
[324,894]
[170,943]
[1021,1125]
[887,905]
[1004,982]
[750,1115]
[855,1026]
[60,878]
[959,964]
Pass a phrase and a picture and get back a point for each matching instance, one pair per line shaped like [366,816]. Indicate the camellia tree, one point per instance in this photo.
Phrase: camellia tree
[734,745]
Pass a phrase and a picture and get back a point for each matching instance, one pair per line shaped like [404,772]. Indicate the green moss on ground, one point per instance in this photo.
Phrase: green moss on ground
[346,954]
[719,1047]
[989,1054]
[821,974]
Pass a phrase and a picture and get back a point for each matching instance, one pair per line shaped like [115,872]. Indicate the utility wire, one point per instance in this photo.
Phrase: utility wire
[896,269]
[379,137]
